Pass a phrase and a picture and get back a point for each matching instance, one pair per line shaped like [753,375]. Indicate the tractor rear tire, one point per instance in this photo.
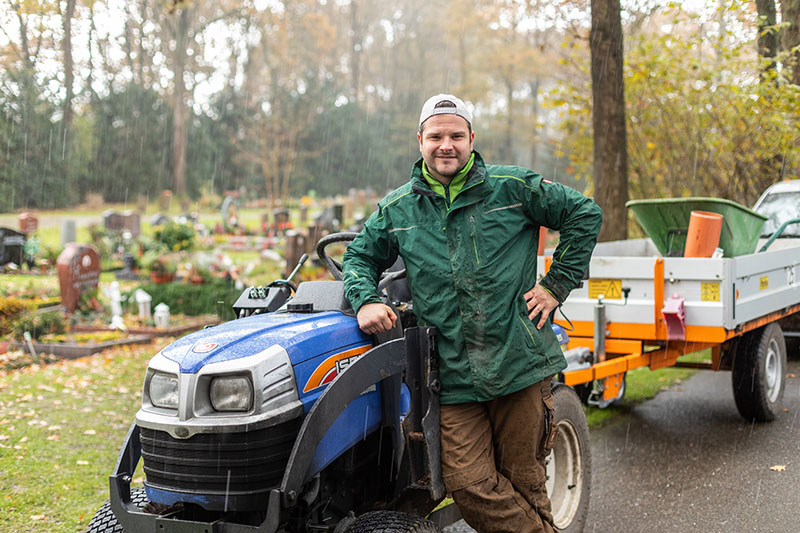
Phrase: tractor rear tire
[569,465]
[759,373]
[391,522]
[105,521]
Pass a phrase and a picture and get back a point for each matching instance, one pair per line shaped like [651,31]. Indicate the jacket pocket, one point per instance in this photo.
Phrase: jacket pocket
[549,431]
[474,234]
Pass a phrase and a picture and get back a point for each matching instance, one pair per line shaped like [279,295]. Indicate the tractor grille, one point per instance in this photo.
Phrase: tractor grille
[219,464]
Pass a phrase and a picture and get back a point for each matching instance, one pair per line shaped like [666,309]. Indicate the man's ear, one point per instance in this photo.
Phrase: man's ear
[419,139]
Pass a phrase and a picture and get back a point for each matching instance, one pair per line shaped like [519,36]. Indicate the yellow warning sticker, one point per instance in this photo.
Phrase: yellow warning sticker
[763,283]
[611,289]
[709,292]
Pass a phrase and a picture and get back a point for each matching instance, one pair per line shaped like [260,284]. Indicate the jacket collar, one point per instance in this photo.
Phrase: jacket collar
[476,176]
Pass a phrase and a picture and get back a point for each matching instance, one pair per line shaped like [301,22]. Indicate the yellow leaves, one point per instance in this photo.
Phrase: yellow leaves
[778,468]
[651,145]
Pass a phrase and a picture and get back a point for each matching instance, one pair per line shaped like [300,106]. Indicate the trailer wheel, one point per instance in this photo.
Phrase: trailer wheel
[391,522]
[759,370]
[105,521]
[569,465]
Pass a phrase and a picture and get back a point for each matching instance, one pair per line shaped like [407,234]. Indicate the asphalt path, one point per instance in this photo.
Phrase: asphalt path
[686,461]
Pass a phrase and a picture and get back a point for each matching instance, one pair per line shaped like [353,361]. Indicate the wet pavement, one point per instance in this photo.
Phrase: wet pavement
[686,461]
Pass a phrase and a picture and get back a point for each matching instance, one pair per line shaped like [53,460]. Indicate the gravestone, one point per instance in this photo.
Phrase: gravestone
[295,248]
[12,245]
[338,214]
[28,223]
[165,200]
[68,232]
[131,221]
[78,270]
[113,221]
[281,219]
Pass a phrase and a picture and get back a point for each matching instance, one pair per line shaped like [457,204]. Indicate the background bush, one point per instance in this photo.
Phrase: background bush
[213,297]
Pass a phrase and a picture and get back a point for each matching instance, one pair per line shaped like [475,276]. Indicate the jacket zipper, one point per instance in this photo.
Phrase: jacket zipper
[474,241]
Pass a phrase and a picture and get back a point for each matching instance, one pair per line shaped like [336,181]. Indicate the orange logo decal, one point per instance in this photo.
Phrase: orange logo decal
[330,367]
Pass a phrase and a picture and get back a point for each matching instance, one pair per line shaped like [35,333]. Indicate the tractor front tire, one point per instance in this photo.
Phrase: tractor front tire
[105,521]
[391,522]
[569,465]
[759,373]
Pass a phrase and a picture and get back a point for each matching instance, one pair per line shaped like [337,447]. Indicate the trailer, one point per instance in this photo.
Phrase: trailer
[644,305]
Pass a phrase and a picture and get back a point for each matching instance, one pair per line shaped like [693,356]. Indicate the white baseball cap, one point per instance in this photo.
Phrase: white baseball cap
[442,104]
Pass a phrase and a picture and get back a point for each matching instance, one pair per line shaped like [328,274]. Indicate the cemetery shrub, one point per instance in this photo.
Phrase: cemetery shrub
[175,236]
[10,311]
[216,296]
[38,324]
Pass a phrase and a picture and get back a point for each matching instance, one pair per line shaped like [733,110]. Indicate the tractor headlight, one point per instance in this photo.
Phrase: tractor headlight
[231,393]
[164,390]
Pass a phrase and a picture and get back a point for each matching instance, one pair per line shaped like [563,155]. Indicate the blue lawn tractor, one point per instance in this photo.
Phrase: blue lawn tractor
[290,418]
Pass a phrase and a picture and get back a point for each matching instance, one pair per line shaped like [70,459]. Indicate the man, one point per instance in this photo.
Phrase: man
[468,233]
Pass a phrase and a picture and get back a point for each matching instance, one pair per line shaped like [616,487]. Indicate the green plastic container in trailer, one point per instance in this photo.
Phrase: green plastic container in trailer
[666,222]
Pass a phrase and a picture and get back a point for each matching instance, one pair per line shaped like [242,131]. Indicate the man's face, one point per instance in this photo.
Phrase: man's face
[445,144]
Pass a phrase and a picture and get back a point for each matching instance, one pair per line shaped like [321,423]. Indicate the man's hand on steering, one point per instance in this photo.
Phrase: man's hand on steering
[540,303]
[376,318]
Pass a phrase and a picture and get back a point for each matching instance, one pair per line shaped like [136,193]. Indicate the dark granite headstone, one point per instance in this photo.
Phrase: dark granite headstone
[113,221]
[78,270]
[11,246]
[131,221]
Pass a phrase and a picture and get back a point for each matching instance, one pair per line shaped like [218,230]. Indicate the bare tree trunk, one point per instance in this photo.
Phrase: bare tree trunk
[608,119]
[69,71]
[507,150]
[534,153]
[767,35]
[355,52]
[790,11]
[179,111]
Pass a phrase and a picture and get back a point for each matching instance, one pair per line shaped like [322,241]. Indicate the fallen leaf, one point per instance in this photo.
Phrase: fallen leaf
[778,468]
[38,517]
[83,463]
[90,432]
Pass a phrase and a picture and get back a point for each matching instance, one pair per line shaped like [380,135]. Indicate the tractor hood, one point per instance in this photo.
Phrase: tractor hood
[302,335]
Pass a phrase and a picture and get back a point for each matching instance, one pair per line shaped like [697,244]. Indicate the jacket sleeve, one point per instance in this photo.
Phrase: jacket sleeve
[370,253]
[577,219]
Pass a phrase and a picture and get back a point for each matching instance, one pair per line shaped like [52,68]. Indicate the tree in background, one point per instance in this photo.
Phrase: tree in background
[608,119]
[283,96]
[701,121]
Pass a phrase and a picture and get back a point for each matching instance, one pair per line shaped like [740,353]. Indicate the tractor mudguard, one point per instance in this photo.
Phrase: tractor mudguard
[379,363]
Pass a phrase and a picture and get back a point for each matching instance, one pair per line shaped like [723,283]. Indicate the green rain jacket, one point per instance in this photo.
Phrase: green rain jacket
[470,260]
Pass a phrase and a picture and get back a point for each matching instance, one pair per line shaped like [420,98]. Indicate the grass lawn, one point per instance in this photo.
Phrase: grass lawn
[61,427]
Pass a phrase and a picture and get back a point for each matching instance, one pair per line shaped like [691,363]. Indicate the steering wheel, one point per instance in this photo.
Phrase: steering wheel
[335,267]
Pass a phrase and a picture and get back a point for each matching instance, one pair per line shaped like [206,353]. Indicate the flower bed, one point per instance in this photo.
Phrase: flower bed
[73,350]
[180,325]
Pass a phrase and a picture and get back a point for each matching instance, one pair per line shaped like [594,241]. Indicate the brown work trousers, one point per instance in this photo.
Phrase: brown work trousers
[493,456]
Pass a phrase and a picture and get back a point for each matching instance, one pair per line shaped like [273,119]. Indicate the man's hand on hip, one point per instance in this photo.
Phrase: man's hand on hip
[376,318]
[540,302]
